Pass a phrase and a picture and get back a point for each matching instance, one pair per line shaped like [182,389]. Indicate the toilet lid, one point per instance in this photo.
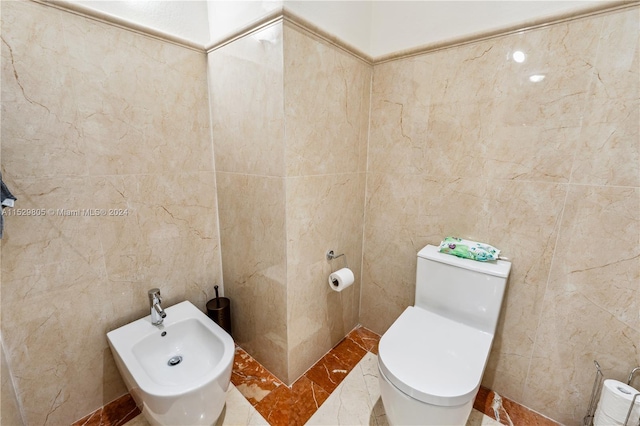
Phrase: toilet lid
[432,358]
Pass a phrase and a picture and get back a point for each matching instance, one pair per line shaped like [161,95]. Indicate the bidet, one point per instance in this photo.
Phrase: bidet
[178,372]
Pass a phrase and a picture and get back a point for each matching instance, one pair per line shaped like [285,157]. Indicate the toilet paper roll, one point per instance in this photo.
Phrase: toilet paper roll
[615,401]
[601,419]
[341,279]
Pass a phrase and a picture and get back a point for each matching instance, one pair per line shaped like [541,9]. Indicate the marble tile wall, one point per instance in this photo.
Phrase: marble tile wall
[94,118]
[247,98]
[9,410]
[465,142]
[290,120]
[326,94]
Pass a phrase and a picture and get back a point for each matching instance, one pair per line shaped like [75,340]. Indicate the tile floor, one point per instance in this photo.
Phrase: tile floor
[340,389]
[355,401]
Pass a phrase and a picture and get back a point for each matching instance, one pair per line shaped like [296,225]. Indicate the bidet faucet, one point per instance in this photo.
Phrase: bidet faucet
[157,313]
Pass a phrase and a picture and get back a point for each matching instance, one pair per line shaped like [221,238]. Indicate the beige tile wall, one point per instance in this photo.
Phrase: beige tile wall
[463,143]
[290,117]
[97,117]
[246,91]
[326,93]
[9,409]
[252,233]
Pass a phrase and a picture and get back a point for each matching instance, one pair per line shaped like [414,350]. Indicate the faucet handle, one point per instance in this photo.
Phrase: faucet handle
[154,293]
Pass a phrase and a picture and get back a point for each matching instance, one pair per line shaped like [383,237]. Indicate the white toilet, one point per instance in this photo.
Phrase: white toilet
[432,358]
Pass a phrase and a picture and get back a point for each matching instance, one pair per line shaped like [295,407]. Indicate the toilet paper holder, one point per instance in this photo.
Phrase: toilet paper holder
[595,396]
[331,256]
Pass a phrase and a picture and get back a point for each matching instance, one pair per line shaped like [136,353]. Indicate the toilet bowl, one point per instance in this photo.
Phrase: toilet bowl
[431,360]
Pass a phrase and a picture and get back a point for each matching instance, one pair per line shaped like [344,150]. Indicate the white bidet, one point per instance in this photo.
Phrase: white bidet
[178,372]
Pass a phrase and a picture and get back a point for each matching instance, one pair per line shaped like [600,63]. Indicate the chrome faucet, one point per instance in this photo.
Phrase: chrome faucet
[157,313]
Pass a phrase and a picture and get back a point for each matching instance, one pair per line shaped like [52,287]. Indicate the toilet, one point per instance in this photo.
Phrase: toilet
[432,358]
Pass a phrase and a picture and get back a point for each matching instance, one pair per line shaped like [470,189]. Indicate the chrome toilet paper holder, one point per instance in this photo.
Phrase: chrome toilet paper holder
[595,397]
[331,255]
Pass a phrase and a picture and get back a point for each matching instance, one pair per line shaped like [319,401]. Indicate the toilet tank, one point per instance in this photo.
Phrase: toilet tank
[463,290]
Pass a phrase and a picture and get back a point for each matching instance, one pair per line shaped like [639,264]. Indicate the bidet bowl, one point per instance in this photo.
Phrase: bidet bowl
[178,372]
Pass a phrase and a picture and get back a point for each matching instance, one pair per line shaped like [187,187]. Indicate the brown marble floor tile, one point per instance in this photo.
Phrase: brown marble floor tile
[483,400]
[276,406]
[332,368]
[292,406]
[250,378]
[306,398]
[349,353]
[115,413]
[519,414]
[366,339]
[328,372]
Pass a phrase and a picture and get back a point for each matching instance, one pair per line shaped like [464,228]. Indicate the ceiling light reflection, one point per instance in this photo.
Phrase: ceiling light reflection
[518,56]
[536,78]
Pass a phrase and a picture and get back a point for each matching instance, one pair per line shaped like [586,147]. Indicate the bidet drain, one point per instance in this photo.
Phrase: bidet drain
[174,360]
